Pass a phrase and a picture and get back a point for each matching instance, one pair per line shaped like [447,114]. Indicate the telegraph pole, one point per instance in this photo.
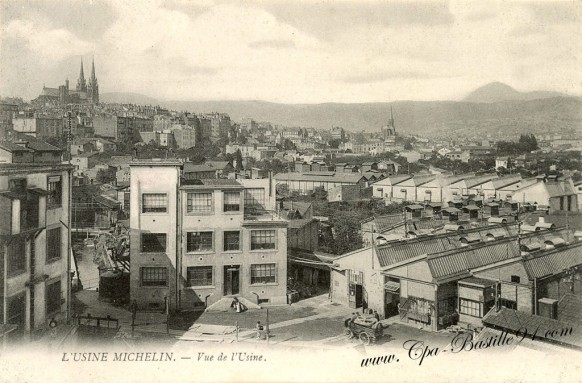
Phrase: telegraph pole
[70,198]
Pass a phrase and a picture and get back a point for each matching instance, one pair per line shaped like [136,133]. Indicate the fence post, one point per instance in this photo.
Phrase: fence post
[133,315]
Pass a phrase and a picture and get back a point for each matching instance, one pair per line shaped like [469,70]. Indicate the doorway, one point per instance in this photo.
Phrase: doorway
[391,301]
[231,280]
[356,296]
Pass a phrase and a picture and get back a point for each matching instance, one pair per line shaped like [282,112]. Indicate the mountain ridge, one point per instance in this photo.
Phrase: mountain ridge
[499,92]
[545,114]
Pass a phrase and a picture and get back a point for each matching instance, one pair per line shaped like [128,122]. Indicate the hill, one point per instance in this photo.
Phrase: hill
[540,115]
[497,92]
[424,117]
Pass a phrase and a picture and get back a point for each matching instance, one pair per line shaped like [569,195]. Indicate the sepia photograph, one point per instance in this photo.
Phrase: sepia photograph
[290,191]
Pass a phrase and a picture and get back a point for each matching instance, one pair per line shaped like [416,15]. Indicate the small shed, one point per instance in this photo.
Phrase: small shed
[415,210]
[472,210]
[492,208]
[452,213]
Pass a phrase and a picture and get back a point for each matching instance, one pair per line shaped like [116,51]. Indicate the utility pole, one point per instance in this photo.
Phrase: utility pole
[70,201]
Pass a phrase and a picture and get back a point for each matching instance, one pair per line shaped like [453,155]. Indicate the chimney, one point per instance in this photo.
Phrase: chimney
[541,220]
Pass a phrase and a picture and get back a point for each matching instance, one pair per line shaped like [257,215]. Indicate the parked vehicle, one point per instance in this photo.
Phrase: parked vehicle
[366,328]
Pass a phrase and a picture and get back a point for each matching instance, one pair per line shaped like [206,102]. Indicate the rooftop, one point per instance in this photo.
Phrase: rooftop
[514,321]
[156,162]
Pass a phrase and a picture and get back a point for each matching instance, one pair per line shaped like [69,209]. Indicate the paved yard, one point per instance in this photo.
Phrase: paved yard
[314,321]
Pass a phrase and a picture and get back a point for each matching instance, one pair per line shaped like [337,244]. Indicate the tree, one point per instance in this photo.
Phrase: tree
[408,146]
[239,160]
[288,145]
[105,176]
[320,194]
[347,235]
[334,143]
[527,143]
[275,165]
[282,190]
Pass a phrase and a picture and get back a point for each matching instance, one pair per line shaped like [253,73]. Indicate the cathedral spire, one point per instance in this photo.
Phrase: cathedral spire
[93,86]
[93,69]
[81,74]
[81,84]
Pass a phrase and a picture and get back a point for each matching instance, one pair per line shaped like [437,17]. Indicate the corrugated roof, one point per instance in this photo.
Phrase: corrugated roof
[12,147]
[428,224]
[558,189]
[554,261]
[505,181]
[41,146]
[220,182]
[459,262]
[301,207]
[394,180]
[193,168]
[570,308]
[514,321]
[418,181]
[387,221]
[217,164]
[393,253]
[477,281]
[320,177]
[475,181]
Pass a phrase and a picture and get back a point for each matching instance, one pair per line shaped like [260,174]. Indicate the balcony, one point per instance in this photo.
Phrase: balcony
[258,215]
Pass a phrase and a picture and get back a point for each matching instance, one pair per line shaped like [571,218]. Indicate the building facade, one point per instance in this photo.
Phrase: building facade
[195,243]
[34,246]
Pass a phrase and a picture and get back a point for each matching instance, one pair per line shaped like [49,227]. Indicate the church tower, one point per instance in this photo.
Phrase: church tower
[81,84]
[93,87]
[389,130]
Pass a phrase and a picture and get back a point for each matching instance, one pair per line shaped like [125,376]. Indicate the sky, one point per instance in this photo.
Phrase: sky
[291,51]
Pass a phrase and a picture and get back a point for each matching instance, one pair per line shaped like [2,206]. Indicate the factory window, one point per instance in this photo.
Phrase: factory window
[263,239]
[16,311]
[154,203]
[231,201]
[16,256]
[199,203]
[55,189]
[469,307]
[199,276]
[154,276]
[263,273]
[231,240]
[53,244]
[53,298]
[153,242]
[199,241]
[254,198]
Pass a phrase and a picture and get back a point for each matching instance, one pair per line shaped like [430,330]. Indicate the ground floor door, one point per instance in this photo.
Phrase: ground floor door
[356,295]
[231,280]
[391,301]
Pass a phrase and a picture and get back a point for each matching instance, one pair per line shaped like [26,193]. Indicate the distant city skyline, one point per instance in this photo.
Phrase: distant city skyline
[292,52]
